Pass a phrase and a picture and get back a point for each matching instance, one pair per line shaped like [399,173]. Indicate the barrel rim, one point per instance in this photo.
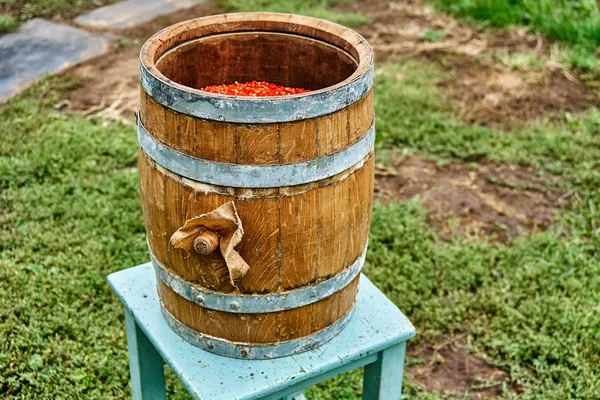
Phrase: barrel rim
[273,109]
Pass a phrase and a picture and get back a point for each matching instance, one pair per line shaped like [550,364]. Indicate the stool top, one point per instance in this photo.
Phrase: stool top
[376,325]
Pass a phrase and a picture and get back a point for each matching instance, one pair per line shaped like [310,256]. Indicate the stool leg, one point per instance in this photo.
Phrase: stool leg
[145,364]
[383,379]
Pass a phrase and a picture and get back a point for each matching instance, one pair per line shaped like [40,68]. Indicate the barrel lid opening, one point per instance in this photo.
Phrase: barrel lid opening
[334,62]
[280,58]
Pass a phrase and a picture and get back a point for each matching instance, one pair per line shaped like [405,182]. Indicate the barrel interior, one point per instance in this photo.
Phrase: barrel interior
[281,58]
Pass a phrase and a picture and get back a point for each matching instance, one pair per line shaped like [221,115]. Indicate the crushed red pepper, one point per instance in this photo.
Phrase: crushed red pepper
[254,89]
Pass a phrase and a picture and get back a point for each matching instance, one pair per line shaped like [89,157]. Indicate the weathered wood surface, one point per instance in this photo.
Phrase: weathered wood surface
[294,236]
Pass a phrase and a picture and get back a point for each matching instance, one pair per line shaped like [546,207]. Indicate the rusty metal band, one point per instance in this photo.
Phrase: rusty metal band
[255,110]
[230,349]
[258,303]
[255,176]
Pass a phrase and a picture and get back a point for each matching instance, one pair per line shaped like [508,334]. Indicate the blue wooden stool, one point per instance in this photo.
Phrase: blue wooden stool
[375,338]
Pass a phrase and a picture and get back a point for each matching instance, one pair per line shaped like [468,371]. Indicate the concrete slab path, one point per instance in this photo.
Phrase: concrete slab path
[41,48]
[129,13]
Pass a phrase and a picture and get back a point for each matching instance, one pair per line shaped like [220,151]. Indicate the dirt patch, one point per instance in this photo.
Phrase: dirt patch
[409,27]
[451,368]
[501,201]
[493,95]
[111,88]
[486,91]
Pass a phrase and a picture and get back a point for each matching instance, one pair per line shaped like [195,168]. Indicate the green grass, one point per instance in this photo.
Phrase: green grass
[313,8]
[529,306]
[8,24]
[68,218]
[70,215]
[27,9]
[432,35]
[533,304]
[575,22]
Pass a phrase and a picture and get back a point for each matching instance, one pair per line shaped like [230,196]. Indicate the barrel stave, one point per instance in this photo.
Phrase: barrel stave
[259,248]
[299,239]
[334,217]
[264,327]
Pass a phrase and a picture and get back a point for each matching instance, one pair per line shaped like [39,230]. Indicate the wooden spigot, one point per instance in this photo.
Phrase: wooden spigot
[206,242]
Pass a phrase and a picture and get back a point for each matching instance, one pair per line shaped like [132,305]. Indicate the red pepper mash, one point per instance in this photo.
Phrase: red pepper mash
[254,89]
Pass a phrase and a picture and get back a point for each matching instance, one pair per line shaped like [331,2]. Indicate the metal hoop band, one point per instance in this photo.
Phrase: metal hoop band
[226,348]
[255,110]
[255,303]
[255,176]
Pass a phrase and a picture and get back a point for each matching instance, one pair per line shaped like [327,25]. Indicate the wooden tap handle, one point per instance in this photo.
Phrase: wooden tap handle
[206,242]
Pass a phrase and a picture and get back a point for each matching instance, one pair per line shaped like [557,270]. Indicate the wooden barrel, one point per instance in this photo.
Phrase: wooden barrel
[296,172]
